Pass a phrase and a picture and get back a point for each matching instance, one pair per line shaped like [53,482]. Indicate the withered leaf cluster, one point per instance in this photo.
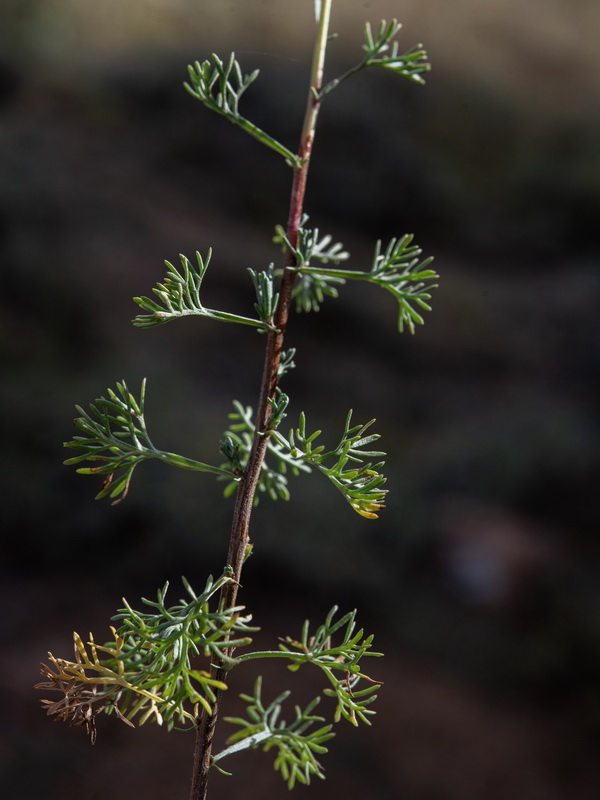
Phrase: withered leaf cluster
[81,702]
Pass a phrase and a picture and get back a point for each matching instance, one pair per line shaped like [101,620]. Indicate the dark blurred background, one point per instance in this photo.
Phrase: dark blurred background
[481,578]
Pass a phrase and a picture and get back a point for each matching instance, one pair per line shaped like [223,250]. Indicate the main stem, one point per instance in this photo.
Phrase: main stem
[240,529]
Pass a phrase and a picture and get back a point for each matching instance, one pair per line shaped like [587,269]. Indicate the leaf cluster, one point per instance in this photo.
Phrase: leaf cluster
[411,64]
[359,482]
[162,642]
[179,296]
[286,362]
[344,657]
[266,296]
[310,290]
[220,85]
[87,686]
[236,446]
[399,270]
[147,669]
[114,433]
[296,744]
[339,661]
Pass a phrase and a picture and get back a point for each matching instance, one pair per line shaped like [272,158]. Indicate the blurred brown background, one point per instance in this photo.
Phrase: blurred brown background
[480,579]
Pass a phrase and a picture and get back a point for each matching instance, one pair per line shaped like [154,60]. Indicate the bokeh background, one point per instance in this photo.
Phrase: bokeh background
[481,578]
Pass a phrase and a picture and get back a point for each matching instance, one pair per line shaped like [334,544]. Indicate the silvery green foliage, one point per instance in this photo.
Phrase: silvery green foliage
[236,445]
[115,440]
[398,269]
[149,669]
[220,85]
[266,296]
[311,289]
[296,744]
[412,64]
[359,482]
[179,296]
[340,662]
[146,670]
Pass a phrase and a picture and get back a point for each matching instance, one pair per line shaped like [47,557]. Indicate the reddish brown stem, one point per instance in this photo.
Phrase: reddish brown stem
[240,529]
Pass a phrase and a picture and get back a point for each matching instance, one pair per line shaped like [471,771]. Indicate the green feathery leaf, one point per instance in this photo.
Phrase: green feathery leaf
[412,64]
[310,290]
[296,744]
[115,434]
[266,296]
[360,485]
[147,668]
[344,657]
[179,296]
[286,362]
[340,662]
[237,444]
[398,270]
[220,86]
